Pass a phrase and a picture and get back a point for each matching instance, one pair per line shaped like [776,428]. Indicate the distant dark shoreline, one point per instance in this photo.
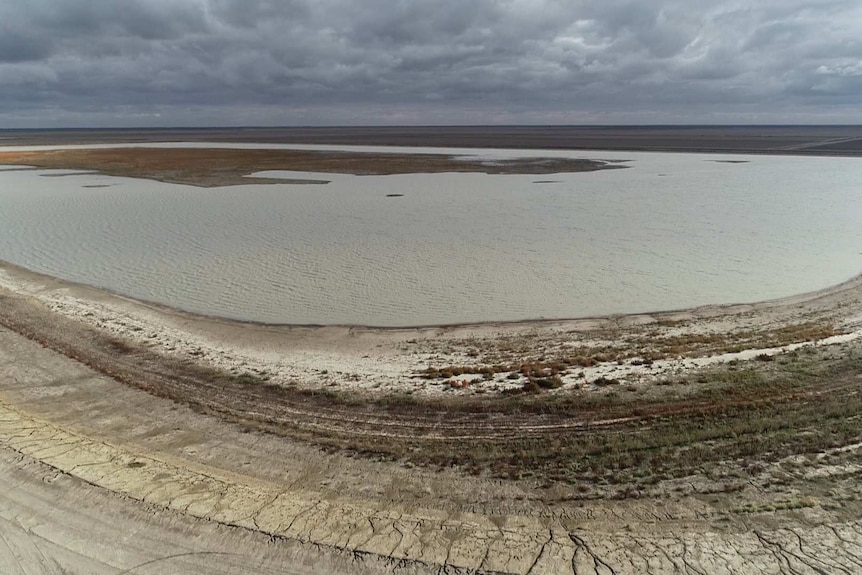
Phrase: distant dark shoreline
[831,140]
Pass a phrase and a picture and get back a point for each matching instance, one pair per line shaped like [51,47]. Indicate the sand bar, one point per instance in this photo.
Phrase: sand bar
[225,167]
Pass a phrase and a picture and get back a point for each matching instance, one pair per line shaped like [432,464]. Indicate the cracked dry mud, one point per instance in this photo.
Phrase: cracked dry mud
[210,494]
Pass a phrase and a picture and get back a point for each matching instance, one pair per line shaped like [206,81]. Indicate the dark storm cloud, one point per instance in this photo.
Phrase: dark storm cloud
[157,62]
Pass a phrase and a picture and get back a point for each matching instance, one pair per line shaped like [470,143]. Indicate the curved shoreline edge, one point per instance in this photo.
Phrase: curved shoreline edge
[123,441]
[705,310]
[269,302]
[437,361]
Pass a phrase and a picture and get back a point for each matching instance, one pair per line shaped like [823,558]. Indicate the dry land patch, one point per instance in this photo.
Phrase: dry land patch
[212,167]
[718,440]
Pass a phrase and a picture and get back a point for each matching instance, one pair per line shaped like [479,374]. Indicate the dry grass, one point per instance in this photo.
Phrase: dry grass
[801,403]
[760,412]
[533,357]
[226,167]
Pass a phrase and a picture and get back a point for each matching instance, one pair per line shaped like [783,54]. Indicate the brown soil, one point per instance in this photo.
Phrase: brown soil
[764,411]
[87,460]
[226,167]
[751,464]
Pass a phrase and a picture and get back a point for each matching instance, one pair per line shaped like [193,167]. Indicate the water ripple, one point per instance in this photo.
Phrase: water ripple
[455,247]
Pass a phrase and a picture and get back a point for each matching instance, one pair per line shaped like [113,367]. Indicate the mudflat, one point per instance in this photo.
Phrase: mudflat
[723,439]
[225,167]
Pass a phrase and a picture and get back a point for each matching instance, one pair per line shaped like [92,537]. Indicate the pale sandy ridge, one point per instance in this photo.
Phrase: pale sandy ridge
[360,359]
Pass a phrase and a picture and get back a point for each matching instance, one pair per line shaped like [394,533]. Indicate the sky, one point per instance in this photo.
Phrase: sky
[119,63]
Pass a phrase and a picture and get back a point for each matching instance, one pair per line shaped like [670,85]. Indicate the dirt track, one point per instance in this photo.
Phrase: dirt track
[455,430]
[159,431]
[194,477]
[55,523]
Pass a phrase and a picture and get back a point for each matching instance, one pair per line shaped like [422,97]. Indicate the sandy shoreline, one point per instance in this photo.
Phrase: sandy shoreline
[377,360]
[407,275]
[133,444]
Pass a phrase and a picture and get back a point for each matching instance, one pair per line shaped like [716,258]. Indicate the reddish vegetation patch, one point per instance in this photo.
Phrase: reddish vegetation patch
[213,167]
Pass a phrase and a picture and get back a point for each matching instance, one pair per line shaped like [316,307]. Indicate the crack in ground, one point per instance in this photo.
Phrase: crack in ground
[255,515]
[597,561]
[541,551]
[851,556]
[813,558]
[689,566]
[783,556]
[400,534]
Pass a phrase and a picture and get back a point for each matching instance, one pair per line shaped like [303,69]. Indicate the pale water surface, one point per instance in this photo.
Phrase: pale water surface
[671,231]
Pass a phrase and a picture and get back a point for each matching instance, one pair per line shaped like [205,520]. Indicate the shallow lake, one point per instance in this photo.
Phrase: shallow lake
[670,231]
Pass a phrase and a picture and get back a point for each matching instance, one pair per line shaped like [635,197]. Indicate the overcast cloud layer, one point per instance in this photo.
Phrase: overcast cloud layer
[332,62]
